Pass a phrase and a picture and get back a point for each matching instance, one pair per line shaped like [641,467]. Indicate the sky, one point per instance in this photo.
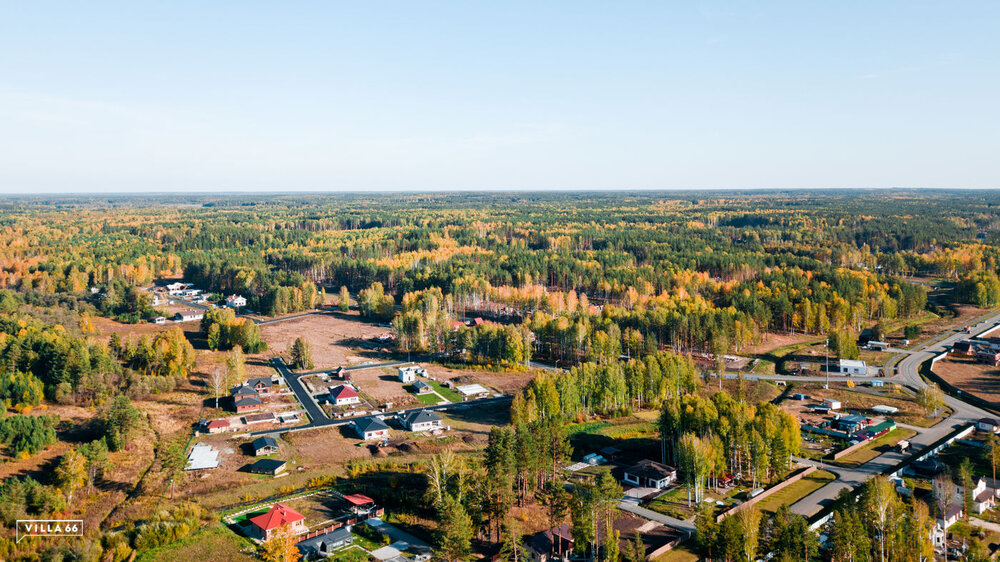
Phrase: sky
[468,95]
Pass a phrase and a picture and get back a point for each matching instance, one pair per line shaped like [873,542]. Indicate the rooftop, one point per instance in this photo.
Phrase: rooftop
[358,499]
[472,389]
[266,441]
[651,469]
[336,536]
[370,423]
[419,416]
[343,391]
[267,466]
[278,516]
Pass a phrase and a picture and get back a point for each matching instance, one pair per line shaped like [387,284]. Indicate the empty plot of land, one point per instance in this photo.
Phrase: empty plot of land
[334,338]
[977,379]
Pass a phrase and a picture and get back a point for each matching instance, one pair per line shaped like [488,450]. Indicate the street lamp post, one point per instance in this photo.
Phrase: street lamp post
[826,349]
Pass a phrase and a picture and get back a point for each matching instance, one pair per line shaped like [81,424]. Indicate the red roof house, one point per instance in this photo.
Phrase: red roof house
[342,395]
[276,518]
[217,426]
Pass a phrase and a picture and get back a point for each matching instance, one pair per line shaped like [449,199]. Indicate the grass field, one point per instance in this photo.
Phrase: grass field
[874,448]
[217,544]
[796,491]
[681,553]
[448,393]
[428,399]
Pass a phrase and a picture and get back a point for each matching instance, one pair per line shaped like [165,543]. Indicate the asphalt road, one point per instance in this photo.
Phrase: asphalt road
[316,414]
[292,317]
[319,418]
[908,373]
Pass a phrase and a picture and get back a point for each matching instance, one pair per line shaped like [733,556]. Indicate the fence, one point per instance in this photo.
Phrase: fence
[664,549]
[768,492]
[927,370]
[825,514]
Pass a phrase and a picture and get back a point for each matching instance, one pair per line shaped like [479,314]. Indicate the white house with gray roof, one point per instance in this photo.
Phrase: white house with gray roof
[421,420]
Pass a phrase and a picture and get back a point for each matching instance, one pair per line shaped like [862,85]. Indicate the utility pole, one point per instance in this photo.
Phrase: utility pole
[826,349]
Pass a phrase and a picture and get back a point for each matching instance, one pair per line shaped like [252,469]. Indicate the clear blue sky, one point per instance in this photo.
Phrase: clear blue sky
[240,95]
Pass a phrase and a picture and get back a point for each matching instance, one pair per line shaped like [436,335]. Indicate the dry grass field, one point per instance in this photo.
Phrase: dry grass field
[975,378]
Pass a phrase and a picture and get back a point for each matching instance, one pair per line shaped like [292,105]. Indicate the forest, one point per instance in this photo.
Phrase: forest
[603,297]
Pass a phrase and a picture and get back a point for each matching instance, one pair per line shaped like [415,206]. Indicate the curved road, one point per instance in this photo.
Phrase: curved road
[909,374]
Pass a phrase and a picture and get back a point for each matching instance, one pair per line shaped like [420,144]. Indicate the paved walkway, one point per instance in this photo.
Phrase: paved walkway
[985,524]
[672,522]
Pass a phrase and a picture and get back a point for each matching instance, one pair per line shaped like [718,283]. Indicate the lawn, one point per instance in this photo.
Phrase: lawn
[795,492]
[448,393]
[680,553]
[349,554]
[674,503]
[239,519]
[428,399]
[874,448]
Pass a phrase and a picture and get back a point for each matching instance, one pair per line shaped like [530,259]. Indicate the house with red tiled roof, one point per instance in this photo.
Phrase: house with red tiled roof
[279,516]
[343,395]
[217,426]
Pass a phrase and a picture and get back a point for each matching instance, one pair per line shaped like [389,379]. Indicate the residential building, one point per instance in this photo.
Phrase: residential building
[964,348]
[988,424]
[189,315]
[261,385]
[177,288]
[983,498]
[988,356]
[247,403]
[278,517]
[421,420]
[344,395]
[265,445]
[272,467]
[940,532]
[160,320]
[650,474]
[217,426]
[409,373]
[884,410]
[555,544]
[370,428]
[324,545]
[422,387]
[235,301]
